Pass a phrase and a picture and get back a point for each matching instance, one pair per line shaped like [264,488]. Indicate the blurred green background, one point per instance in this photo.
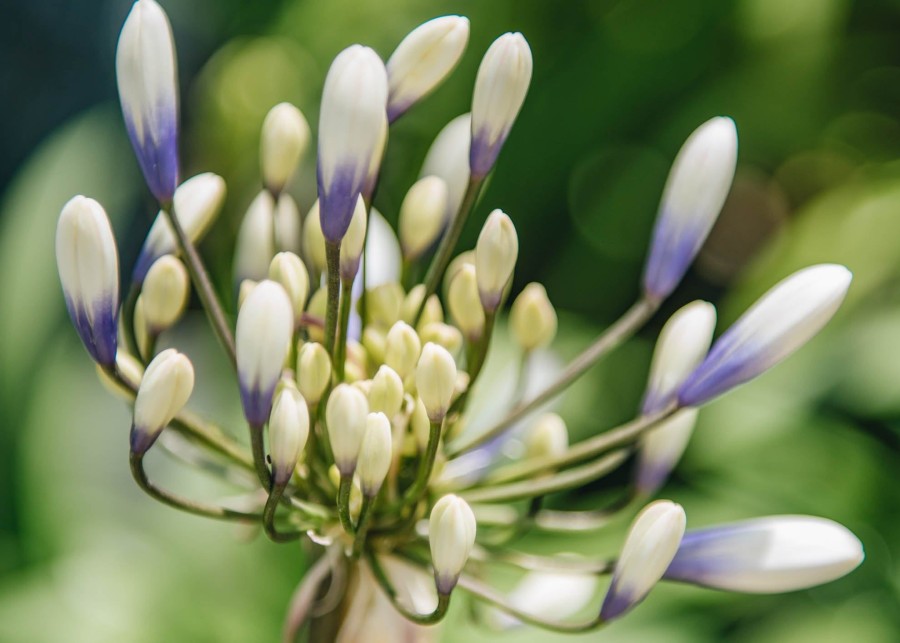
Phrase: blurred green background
[814,87]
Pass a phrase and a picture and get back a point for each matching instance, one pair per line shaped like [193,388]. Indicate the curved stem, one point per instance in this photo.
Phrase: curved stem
[257,445]
[269,518]
[333,283]
[340,348]
[415,491]
[343,503]
[475,362]
[384,582]
[362,526]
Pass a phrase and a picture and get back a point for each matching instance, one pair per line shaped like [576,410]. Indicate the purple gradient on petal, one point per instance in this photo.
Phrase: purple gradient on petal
[445,584]
[671,253]
[141,441]
[158,161]
[397,109]
[616,603]
[723,369]
[483,154]
[100,337]
[709,552]
[142,265]
[651,478]
[338,201]
[257,404]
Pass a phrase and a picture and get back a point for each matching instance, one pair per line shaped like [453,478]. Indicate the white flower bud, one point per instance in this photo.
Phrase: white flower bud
[451,536]
[165,293]
[422,215]
[374,341]
[288,226]
[402,348]
[662,448]
[448,158]
[435,380]
[500,88]
[288,432]
[265,327]
[375,454]
[495,258]
[285,136]
[313,371]
[354,239]
[423,59]
[256,239]
[384,303]
[164,390]
[88,265]
[345,416]
[465,303]
[246,287]
[130,369]
[532,318]
[314,240]
[443,335]
[547,437]
[288,270]
[386,393]
[649,548]
[549,595]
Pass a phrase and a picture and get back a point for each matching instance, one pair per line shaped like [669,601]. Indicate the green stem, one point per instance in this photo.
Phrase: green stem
[384,582]
[417,489]
[128,306]
[343,503]
[475,362]
[333,283]
[362,526]
[269,518]
[340,349]
[258,447]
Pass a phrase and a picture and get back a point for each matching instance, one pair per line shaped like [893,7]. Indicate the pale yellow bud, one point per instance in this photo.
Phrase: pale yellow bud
[164,293]
[422,215]
[443,335]
[356,365]
[247,286]
[288,225]
[460,260]
[288,270]
[375,454]
[420,425]
[285,136]
[465,303]
[547,437]
[353,241]
[532,319]
[316,307]
[141,334]
[495,258]
[374,341]
[402,348]
[345,417]
[256,239]
[386,392]
[313,371]
[314,240]
[436,380]
[384,303]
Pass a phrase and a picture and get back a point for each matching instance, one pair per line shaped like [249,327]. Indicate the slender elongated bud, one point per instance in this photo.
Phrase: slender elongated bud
[422,60]
[780,322]
[147,76]
[288,225]
[164,390]
[443,335]
[375,454]
[141,333]
[265,327]
[288,270]
[285,136]
[345,415]
[402,349]
[495,258]
[465,303]
[88,265]
[354,240]
[451,536]
[197,203]
[435,380]
[767,555]
[532,318]
[422,215]
[649,548]
[500,88]
[662,448]
[547,437]
[386,393]
[165,293]
[313,371]
[288,432]
[375,162]
[314,240]
[695,192]
[256,239]
[350,131]
[448,158]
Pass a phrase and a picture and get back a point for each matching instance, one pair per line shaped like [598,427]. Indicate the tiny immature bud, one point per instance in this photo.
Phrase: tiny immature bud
[495,258]
[532,318]
[165,293]
[354,239]
[346,417]
[386,393]
[448,158]
[313,371]
[314,240]
[288,432]
[288,270]
[465,303]
[435,380]
[547,437]
[451,536]
[165,388]
[402,348]
[375,454]
[422,215]
[256,239]
[285,136]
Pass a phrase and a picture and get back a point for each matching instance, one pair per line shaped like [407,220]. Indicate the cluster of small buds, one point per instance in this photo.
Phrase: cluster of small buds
[355,383]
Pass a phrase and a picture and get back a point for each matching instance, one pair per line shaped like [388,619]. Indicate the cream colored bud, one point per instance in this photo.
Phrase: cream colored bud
[532,319]
[247,286]
[422,215]
[386,392]
[436,380]
[288,432]
[451,536]
[285,136]
[345,416]
[165,388]
[374,341]
[443,335]
[141,333]
[402,348]
[256,239]
[316,307]
[465,303]
[314,240]
[313,371]
[165,293]
[375,454]
[288,225]
[357,365]
[288,270]
[495,258]
[384,303]
[420,425]
[460,260]
[547,437]
[353,241]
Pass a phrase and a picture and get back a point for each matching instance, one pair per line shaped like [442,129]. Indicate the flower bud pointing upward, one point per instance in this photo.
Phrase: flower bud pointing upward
[402,349]
[165,388]
[288,270]
[255,245]
[532,319]
[448,158]
[285,136]
[422,215]
[352,246]
[451,536]
[165,293]
[313,371]
[346,416]
[386,393]
[375,454]
[436,380]
[465,302]
[288,432]
[495,258]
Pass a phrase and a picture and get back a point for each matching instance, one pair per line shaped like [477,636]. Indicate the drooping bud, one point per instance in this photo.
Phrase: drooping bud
[780,322]
[547,437]
[288,432]
[451,536]
[288,270]
[165,388]
[354,239]
[448,158]
[495,258]
[147,76]
[649,548]
[422,216]
[165,293]
[88,265]
[692,200]
[375,454]
[285,136]
[313,371]
[532,318]
[386,393]
[422,60]
[345,416]
[465,303]
[256,239]
[767,555]
[402,348]
[288,225]
[314,240]
[500,88]
[354,101]
[435,380]
[265,326]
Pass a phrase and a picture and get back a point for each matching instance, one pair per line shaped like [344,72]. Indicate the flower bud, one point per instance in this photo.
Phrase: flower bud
[165,293]
[375,454]
[288,431]
[549,595]
[164,390]
[500,88]
[285,136]
[451,536]
[130,369]
[422,216]
[386,393]
[197,203]
[88,265]
[767,555]
[692,200]
[147,76]
[779,323]
[316,307]
[420,425]
[402,348]
[351,119]
[547,437]
[288,270]
[313,371]
[354,240]
[465,303]
[265,327]
[256,239]
[345,416]
[443,335]
[384,303]
[314,240]
[288,226]
[244,291]
[662,448]
[422,60]
[532,318]
[435,380]
[374,341]
[495,258]
[649,548]
[448,158]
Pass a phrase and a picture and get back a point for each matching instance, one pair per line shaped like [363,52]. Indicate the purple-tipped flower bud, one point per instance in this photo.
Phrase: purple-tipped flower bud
[288,431]
[165,388]
[451,535]
[495,258]
[375,454]
[346,416]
